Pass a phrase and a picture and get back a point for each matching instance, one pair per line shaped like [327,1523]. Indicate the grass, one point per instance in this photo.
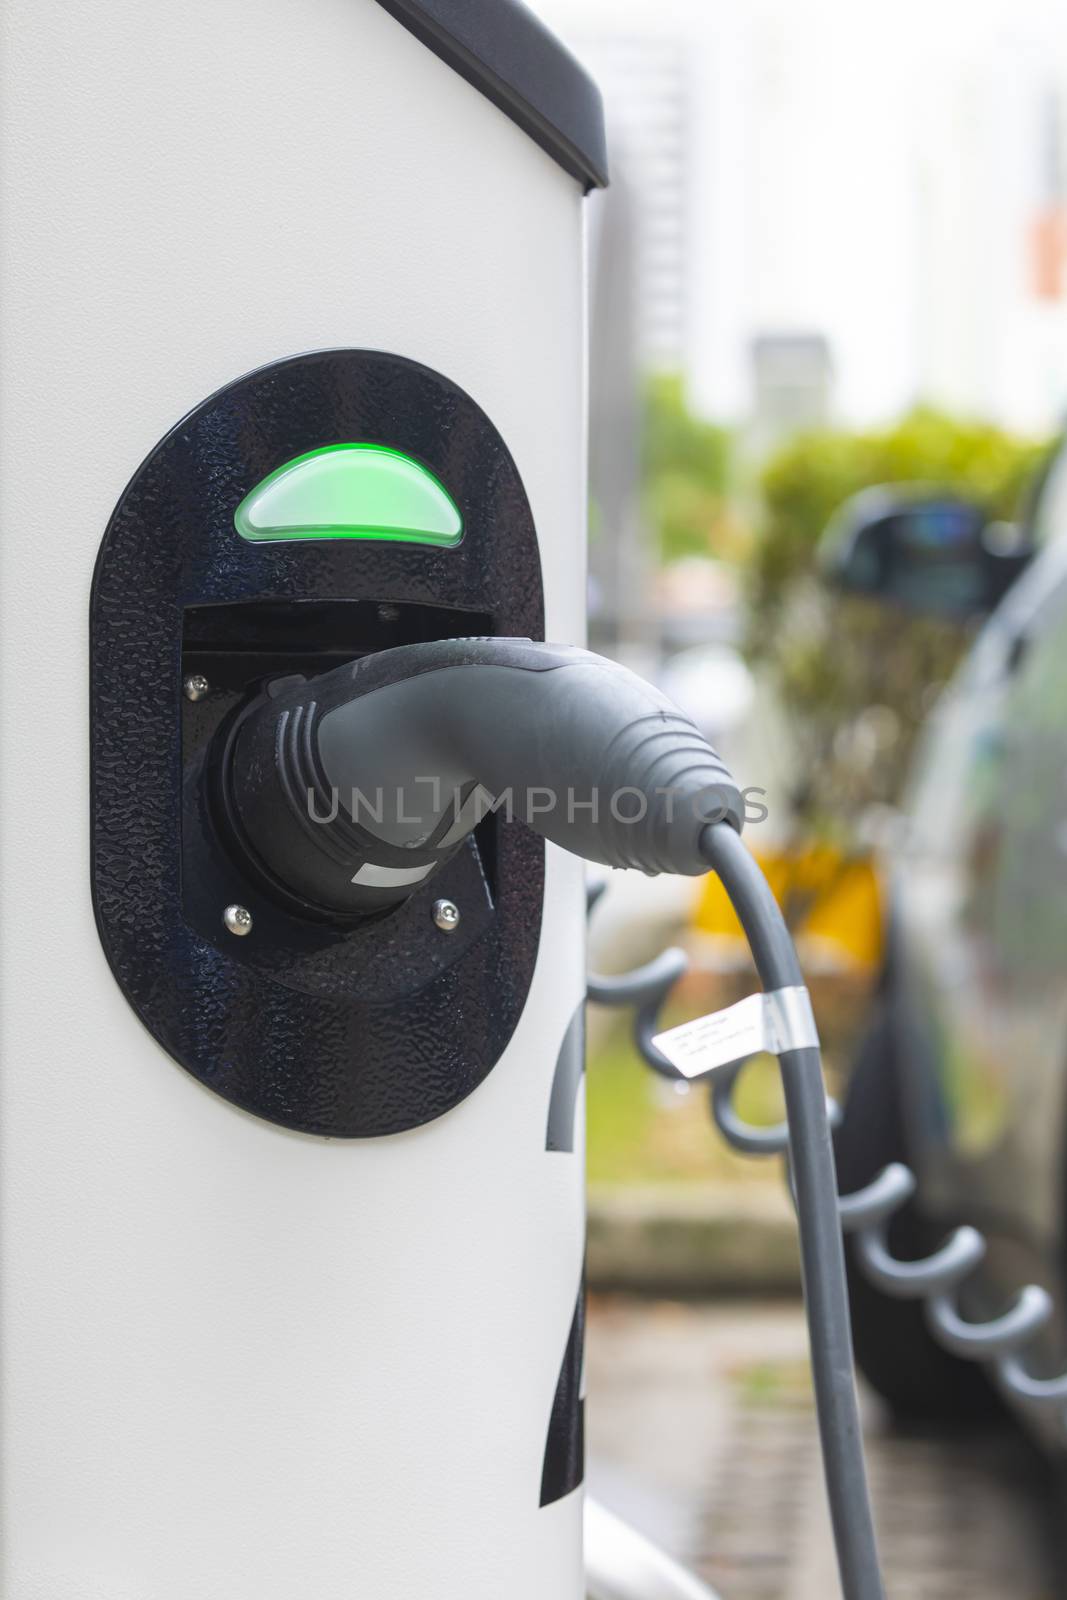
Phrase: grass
[643,1131]
[774,1385]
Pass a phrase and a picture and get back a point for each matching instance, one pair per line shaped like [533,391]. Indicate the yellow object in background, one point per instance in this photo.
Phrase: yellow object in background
[832,900]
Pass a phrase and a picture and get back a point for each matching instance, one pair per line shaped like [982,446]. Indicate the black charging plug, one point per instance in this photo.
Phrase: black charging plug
[350,790]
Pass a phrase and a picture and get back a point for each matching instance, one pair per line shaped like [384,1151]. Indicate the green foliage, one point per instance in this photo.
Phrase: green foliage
[687,466]
[637,1133]
[856,678]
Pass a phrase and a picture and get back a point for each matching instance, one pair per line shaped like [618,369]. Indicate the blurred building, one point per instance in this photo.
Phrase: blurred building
[620,620]
[648,86]
[645,263]
[884,175]
[991,261]
[792,376]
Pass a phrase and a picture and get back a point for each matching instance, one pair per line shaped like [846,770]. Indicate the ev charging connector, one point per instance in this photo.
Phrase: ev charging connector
[348,791]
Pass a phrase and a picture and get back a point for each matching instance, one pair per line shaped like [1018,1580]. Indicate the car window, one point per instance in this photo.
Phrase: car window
[1016,616]
[1050,513]
[1028,914]
[958,767]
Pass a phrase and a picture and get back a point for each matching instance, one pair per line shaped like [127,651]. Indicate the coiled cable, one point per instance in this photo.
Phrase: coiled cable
[804,1141]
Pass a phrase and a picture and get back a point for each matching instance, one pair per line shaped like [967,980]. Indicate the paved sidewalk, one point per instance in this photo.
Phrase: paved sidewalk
[701,1433]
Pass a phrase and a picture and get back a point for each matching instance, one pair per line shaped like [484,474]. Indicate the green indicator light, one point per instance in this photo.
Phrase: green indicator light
[350,491]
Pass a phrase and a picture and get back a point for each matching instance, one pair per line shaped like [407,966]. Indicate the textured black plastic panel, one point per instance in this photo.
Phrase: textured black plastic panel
[507,53]
[345,1032]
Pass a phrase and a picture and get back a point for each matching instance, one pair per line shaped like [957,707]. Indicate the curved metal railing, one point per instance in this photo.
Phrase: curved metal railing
[866,1214]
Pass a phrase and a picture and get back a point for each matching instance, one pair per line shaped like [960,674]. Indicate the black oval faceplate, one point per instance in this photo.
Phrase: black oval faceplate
[341,1031]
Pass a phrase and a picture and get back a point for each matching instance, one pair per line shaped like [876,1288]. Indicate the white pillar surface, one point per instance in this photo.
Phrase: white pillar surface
[237,1363]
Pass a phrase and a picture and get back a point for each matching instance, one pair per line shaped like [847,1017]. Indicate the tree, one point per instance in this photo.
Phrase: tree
[687,471]
[854,678]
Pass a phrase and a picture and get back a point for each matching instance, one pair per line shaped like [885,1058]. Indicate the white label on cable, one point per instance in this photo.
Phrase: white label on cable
[781,1020]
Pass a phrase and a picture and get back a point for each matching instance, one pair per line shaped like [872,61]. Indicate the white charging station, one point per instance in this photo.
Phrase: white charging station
[242,1361]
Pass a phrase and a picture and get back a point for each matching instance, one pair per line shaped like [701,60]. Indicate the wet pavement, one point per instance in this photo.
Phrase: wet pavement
[701,1434]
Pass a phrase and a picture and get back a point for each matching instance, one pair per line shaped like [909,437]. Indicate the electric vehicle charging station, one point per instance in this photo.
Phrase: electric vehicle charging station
[242,1358]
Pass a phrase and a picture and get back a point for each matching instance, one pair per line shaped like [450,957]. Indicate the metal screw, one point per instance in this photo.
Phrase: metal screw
[238,920]
[446,915]
[196,686]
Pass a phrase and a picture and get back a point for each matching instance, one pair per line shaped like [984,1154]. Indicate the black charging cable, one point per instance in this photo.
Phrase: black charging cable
[346,793]
[814,1177]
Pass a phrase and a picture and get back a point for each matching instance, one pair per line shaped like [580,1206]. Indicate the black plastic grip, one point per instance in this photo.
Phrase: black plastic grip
[401,753]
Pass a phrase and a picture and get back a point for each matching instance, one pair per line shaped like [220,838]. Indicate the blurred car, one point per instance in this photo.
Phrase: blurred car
[963,1072]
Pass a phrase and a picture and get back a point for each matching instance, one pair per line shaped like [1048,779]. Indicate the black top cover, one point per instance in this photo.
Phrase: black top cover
[511,57]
